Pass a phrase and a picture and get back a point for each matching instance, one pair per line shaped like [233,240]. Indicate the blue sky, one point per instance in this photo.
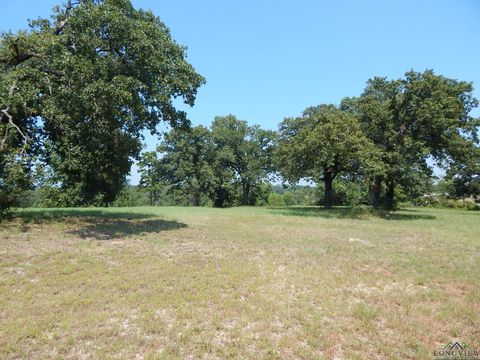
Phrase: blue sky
[265,60]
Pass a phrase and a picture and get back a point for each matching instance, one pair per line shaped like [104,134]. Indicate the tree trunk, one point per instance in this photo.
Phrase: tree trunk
[246,191]
[390,195]
[376,192]
[328,194]
[196,199]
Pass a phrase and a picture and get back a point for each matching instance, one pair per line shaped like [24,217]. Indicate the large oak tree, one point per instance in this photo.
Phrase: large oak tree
[412,119]
[186,160]
[80,89]
[323,143]
[246,151]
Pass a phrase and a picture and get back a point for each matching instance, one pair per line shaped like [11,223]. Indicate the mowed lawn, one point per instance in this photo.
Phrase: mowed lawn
[246,283]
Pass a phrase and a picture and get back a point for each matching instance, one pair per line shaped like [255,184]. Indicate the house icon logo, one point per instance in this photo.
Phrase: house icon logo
[456,350]
[456,346]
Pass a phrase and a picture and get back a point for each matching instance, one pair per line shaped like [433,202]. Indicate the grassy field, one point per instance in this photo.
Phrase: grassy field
[246,283]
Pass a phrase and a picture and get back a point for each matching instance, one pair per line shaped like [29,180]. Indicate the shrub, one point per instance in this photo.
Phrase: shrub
[473,206]
[276,200]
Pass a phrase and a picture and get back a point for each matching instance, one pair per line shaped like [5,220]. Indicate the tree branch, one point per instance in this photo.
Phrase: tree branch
[9,117]
[61,24]
[10,121]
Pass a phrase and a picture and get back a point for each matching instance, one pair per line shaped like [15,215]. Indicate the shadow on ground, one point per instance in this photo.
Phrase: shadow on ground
[41,215]
[349,213]
[109,229]
[99,224]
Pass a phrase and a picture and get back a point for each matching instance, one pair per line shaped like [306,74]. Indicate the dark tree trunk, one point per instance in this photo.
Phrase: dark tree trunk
[390,195]
[328,194]
[376,192]
[246,191]
[196,199]
[151,198]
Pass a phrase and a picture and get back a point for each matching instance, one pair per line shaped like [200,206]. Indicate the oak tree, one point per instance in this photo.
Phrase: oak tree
[246,151]
[323,143]
[185,161]
[85,84]
[410,120]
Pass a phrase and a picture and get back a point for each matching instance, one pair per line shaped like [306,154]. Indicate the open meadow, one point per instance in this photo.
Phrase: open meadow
[246,283]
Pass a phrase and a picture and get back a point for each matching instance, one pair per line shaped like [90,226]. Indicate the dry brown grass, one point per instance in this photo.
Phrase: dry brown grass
[179,283]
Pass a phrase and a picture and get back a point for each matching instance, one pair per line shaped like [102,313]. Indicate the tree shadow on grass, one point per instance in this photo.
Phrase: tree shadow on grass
[98,224]
[45,215]
[109,229]
[347,213]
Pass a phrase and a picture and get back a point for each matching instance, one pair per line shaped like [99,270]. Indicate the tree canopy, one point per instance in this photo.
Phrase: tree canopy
[217,163]
[186,162]
[245,150]
[323,143]
[79,90]
[410,120]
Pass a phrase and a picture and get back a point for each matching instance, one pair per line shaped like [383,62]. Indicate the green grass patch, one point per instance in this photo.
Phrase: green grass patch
[246,283]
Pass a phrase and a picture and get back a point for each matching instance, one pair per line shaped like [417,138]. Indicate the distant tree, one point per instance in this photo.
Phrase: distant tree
[131,196]
[464,176]
[86,84]
[259,194]
[149,176]
[275,199]
[321,144]
[186,159]
[225,184]
[246,151]
[411,119]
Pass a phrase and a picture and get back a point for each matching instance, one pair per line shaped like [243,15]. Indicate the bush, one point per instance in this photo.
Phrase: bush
[131,196]
[276,199]
[289,199]
[442,202]
[473,206]
[259,194]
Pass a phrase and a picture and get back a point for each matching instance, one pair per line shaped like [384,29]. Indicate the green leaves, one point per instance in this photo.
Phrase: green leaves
[323,143]
[323,139]
[246,151]
[411,119]
[213,163]
[186,162]
[464,175]
[94,77]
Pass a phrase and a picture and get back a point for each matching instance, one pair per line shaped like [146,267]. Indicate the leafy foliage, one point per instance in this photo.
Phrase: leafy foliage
[411,119]
[323,143]
[186,162]
[149,177]
[86,84]
[244,151]
[229,162]
[464,176]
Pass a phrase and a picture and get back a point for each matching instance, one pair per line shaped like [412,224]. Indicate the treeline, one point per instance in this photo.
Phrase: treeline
[375,150]
[73,108]
[227,164]
[134,195]
[378,145]
[346,193]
